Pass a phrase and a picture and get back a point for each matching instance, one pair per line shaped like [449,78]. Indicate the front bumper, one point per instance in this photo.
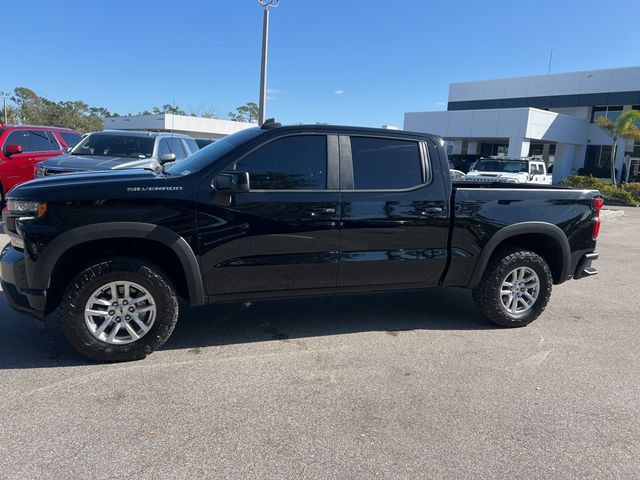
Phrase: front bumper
[13,278]
[584,268]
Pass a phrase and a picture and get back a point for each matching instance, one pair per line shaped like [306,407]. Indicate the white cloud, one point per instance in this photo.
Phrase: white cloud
[274,91]
[442,104]
[339,92]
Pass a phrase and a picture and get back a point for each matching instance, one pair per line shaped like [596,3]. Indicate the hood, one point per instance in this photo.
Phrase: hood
[88,162]
[83,185]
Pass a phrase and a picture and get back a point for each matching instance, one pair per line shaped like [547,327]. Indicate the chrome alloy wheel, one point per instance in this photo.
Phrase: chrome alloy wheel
[120,312]
[520,290]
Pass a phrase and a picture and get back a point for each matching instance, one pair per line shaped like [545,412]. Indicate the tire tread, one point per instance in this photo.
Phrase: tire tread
[486,296]
[72,307]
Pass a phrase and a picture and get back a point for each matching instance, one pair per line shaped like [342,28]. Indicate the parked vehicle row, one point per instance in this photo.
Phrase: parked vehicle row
[23,146]
[116,150]
[281,211]
[30,151]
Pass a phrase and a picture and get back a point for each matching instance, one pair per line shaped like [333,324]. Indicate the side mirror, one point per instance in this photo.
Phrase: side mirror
[13,149]
[232,182]
[167,157]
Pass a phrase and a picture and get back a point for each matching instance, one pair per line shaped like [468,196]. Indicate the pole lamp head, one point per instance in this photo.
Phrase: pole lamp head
[268,3]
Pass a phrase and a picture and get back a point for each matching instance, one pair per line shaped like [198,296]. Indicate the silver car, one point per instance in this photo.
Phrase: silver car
[119,149]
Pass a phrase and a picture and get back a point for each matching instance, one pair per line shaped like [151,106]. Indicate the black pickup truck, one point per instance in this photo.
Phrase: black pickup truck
[281,211]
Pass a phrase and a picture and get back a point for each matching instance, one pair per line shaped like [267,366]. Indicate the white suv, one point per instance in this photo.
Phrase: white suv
[509,170]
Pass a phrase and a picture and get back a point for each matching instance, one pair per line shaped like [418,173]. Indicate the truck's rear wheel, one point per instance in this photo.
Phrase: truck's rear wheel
[119,310]
[515,288]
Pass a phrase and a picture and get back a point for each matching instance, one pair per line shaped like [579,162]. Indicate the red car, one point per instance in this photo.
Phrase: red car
[22,146]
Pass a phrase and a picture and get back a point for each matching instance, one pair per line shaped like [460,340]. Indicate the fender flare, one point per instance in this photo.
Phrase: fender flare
[43,268]
[539,228]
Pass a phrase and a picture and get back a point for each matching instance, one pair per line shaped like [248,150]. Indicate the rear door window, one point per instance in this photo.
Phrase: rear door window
[39,141]
[385,163]
[53,140]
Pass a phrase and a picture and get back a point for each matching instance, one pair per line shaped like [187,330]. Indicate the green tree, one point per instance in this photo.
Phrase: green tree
[30,108]
[624,127]
[203,111]
[102,112]
[166,108]
[245,113]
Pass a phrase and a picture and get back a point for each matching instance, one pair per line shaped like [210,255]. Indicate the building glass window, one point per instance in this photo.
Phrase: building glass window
[636,107]
[536,149]
[611,112]
[493,149]
[598,156]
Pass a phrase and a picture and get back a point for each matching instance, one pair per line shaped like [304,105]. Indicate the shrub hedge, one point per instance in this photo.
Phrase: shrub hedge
[628,194]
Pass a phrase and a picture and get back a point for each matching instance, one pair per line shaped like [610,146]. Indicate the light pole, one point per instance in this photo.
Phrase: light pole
[4,98]
[262,106]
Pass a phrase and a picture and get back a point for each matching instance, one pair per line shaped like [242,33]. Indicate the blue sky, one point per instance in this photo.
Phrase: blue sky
[338,61]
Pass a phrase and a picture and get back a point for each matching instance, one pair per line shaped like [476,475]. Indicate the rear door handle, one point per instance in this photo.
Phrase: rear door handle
[430,210]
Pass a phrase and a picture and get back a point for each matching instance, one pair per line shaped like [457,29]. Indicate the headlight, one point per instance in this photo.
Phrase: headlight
[26,207]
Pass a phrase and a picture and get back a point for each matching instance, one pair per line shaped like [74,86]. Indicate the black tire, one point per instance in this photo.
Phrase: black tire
[81,289]
[487,295]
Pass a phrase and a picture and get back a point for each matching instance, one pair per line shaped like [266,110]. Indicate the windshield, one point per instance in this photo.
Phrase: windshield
[209,154]
[508,166]
[203,157]
[114,145]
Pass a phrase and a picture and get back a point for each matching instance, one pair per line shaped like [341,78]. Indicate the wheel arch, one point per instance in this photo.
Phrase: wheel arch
[545,239]
[62,248]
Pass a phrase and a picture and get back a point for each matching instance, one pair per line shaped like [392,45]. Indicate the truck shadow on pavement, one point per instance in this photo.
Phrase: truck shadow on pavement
[24,345]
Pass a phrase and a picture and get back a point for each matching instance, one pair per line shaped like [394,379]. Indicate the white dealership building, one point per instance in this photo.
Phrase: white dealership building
[169,122]
[551,116]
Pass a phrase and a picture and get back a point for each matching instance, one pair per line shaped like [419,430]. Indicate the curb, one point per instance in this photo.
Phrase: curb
[608,214]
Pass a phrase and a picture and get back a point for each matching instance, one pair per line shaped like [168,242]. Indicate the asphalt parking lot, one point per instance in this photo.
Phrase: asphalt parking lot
[410,385]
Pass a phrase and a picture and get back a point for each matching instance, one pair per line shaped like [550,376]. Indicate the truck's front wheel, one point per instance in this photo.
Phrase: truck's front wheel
[119,310]
[515,288]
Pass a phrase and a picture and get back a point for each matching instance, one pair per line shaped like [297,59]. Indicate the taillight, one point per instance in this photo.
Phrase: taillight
[597,204]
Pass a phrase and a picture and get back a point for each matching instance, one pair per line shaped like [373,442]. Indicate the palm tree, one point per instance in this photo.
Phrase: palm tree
[625,127]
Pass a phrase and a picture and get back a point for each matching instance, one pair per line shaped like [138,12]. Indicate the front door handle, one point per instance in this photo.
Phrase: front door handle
[430,210]
[317,211]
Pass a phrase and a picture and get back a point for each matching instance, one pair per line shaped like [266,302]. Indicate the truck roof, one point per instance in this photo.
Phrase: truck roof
[347,129]
[26,127]
[140,133]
